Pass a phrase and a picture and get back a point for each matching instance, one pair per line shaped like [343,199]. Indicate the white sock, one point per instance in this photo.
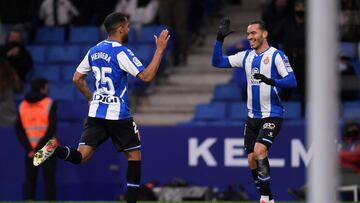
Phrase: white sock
[265,198]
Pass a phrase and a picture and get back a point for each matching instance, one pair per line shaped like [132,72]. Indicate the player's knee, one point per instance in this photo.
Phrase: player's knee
[85,158]
[260,151]
[134,155]
[251,160]
[86,153]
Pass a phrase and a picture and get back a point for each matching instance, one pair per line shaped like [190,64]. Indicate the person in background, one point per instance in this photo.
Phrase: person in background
[15,52]
[9,84]
[57,12]
[349,81]
[35,126]
[140,12]
[348,147]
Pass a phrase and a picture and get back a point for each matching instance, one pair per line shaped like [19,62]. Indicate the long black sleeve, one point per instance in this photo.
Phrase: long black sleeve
[21,135]
[50,132]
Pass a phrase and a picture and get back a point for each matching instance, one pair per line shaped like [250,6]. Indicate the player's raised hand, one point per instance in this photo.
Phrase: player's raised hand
[224,29]
[162,40]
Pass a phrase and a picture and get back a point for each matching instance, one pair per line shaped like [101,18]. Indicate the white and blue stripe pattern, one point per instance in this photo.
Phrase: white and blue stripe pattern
[263,100]
[110,62]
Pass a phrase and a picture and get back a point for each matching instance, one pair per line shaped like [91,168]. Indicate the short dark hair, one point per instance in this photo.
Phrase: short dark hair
[113,20]
[261,24]
[38,83]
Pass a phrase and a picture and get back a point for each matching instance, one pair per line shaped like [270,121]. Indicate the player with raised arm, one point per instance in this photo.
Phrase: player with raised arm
[109,114]
[267,71]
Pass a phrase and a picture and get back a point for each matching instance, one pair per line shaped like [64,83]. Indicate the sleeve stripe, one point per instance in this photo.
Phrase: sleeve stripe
[126,64]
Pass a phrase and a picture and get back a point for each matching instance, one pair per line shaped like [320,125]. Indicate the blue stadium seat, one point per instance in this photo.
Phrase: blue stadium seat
[84,34]
[351,110]
[238,111]
[84,49]
[147,33]
[50,35]
[348,49]
[136,85]
[64,54]
[62,91]
[51,73]
[239,77]
[132,37]
[66,111]
[38,53]
[67,72]
[143,51]
[210,112]
[227,93]
[292,110]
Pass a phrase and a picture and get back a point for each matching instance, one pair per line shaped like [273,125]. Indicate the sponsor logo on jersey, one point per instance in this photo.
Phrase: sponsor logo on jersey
[266,60]
[253,80]
[107,99]
[270,126]
[137,61]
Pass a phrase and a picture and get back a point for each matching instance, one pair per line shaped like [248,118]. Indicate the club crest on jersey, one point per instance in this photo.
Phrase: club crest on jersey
[137,61]
[266,60]
[270,126]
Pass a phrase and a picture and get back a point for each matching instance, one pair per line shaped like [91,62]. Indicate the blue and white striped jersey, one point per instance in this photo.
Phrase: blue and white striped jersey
[110,62]
[262,100]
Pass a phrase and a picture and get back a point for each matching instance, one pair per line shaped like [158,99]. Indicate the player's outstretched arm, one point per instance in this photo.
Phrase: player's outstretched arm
[81,84]
[150,71]
[218,60]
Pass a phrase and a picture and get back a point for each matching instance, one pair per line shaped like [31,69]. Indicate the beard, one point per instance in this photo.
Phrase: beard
[125,39]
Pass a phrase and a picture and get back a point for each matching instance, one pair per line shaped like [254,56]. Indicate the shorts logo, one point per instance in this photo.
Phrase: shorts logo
[270,126]
[266,60]
[270,134]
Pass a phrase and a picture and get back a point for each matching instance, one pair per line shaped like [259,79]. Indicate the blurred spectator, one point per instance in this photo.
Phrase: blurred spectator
[93,12]
[349,157]
[57,12]
[238,46]
[349,82]
[350,20]
[35,126]
[274,14]
[349,154]
[290,33]
[9,83]
[140,12]
[238,74]
[16,12]
[14,51]
[198,22]
[174,14]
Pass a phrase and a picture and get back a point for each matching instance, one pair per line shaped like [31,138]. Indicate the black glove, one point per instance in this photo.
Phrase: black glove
[224,29]
[264,79]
